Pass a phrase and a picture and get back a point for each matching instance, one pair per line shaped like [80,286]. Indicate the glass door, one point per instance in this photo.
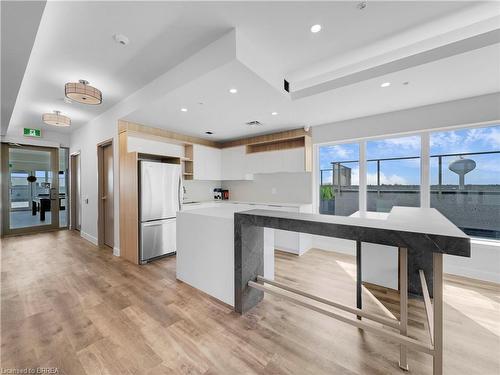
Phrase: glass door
[31,192]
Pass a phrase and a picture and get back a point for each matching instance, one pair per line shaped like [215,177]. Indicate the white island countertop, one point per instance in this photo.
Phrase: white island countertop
[228,202]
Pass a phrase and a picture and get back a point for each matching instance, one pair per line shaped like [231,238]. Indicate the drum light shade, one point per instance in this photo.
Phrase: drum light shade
[56,119]
[81,92]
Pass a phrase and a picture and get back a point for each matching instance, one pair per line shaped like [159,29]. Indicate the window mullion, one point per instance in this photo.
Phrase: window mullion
[425,185]
[362,177]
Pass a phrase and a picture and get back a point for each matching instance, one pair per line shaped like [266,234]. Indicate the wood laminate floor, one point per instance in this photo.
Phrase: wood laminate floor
[67,304]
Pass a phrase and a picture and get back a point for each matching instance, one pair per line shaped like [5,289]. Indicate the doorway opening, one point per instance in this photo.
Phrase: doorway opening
[105,221]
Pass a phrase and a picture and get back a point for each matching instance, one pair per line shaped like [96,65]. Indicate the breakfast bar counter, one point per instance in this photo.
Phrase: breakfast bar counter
[405,228]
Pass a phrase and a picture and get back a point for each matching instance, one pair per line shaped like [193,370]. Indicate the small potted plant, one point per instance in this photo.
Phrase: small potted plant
[327,200]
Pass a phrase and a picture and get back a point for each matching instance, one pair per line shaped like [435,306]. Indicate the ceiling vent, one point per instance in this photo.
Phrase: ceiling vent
[253,123]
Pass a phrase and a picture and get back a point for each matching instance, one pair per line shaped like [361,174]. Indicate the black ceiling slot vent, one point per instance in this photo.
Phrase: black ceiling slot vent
[286,85]
[253,123]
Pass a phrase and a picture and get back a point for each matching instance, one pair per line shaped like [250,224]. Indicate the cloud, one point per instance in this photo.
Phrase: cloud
[446,140]
[410,143]
[467,140]
[336,152]
[492,137]
[372,178]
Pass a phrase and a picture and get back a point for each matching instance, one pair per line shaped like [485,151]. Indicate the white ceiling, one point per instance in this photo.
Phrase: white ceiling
[225,114]
[163,34]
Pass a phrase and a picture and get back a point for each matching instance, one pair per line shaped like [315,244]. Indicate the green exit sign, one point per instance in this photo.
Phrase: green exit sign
[28,132]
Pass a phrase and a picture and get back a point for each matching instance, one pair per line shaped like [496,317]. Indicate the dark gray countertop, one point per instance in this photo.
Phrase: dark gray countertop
[423,228]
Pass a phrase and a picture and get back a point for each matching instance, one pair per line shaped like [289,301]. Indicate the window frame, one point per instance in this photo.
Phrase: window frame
[425,162]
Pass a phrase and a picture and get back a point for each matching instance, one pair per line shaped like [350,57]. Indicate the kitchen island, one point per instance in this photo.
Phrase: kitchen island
[404,227]
[205,250]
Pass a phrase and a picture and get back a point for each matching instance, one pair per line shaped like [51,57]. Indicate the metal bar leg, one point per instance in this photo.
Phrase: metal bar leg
[359,281]
[437,265]
[403,304]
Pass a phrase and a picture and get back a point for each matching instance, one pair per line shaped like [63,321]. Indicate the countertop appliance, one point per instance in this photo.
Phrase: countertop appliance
[160,191]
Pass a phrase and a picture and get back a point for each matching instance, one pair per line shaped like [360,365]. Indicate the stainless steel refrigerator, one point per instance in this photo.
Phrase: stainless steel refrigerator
[160,198]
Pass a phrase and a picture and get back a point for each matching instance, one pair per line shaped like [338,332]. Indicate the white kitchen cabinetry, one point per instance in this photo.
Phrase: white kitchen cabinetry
[207,163]
[291,160]
[234,164]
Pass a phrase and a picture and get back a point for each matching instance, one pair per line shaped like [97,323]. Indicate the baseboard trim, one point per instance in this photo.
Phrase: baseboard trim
[116,251]
[286,250]
[88,237]
[473,273]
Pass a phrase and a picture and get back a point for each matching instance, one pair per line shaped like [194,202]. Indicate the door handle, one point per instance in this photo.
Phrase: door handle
[152,225]
[53,194]
[105,197]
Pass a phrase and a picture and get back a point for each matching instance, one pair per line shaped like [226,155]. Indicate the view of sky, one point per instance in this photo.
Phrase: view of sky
[404,172]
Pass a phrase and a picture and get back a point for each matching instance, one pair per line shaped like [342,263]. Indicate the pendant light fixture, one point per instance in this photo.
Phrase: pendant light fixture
[56,119]
[81,92]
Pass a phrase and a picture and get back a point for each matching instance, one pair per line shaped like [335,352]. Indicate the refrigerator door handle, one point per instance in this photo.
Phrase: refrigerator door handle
[179,193]
[152,224]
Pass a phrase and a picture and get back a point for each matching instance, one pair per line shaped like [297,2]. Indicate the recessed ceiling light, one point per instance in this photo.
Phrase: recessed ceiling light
[209,132]
[184,109]
[233,91]
[385,84]
[361,5]
[121,39]
[315,28]
[274,113]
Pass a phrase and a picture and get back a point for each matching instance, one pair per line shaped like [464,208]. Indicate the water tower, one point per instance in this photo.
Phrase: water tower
[461,167]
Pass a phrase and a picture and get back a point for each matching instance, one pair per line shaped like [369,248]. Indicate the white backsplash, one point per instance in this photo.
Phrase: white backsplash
[272,187]
[200,190]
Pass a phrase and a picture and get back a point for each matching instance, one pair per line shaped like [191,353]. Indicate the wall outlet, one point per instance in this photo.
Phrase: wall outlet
[274,190]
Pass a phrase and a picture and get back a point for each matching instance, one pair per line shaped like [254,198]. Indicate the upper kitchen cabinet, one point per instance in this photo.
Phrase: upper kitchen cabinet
[291,160]
[235,164]
[207,163]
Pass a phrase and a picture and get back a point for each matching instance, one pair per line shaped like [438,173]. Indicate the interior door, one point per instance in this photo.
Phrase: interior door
[107,189]
[30,193]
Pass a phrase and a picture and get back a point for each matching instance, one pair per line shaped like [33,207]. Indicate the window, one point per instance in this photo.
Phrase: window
[393,173]
[465,179]
[19,190]
[339,179]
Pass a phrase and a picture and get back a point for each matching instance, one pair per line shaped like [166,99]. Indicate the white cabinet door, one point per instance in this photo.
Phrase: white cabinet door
[291,160]
[235,164]
[206,163]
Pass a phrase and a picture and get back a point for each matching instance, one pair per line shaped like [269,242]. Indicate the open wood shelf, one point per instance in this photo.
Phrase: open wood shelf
[283,144]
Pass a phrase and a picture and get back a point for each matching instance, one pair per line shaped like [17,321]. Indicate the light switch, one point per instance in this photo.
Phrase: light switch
[274,190]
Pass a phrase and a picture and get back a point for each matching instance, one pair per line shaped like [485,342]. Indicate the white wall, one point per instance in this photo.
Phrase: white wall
[484,263]
[85,140]
[272,187]
[479,109]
